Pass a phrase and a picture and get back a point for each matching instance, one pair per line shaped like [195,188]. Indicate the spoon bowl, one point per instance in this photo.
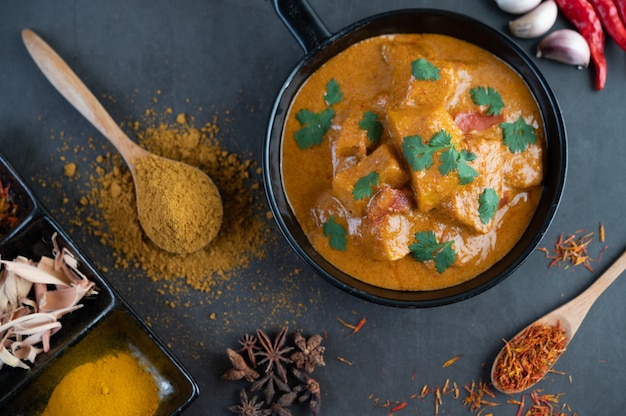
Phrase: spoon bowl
[569,316]
[179,207]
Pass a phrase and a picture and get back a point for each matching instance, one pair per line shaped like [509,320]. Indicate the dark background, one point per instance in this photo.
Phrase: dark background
[230,58]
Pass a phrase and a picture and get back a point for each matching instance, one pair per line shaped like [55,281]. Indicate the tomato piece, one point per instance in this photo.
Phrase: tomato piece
[474,121]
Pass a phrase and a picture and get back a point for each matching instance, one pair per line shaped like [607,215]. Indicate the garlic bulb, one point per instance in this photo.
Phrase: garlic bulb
[517,6]
[566,46]
[536,22]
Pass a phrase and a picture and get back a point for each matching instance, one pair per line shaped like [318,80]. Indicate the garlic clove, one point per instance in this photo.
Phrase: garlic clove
[517,6]
[566,46]
[535,23]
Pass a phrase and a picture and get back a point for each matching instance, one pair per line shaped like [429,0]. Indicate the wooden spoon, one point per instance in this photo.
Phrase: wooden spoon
[179,207]
[569,316]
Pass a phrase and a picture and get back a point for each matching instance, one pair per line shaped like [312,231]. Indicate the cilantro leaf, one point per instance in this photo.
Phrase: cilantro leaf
[452,160]
[441,139]
[488,205]
[518,135]
[314,127]
[465,172]
[489,97]
[423,70]
[374,128]
[420,156]
[363,187]
[333,92]
[336,234]
[449,161]
[427,248]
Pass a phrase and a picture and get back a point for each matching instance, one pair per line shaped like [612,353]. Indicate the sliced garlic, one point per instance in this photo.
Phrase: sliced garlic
[566,46]
[517,6]
[535,23]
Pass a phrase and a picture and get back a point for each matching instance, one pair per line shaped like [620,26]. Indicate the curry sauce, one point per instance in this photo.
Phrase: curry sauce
[413,161]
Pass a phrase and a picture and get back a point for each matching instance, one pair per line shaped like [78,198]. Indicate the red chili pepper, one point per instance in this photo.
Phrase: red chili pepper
[609,16]
[621,9]
[584,17]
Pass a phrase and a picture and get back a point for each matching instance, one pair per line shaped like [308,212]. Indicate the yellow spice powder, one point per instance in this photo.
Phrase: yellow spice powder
[115,385]
[179,207]
[243,232]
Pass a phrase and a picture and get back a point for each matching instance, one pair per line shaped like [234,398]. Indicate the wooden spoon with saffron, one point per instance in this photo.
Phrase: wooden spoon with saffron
[539,345]
[179,207]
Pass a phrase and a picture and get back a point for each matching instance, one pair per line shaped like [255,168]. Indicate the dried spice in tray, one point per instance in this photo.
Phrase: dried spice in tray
[8,210]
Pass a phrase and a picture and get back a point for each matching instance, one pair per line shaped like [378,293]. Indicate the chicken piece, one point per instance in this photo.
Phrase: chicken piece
[464,203]
[388,238]
[430,186]
[406,90]
[422,121]
[386,230]
[349,142]
[384,162]
[523,170]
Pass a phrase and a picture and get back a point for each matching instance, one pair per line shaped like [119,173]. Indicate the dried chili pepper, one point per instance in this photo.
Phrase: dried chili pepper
[452,360]
[8,210]
[343,360]
[602,237]
[346,324]
[610,19]
[358,326]
[521,407]
[528,356]
[398,407]
[583,16]
[544,404]
[476,395]
[572,250]
[355,328]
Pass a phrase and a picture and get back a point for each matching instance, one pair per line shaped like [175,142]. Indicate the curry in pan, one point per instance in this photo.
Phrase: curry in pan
[413,161]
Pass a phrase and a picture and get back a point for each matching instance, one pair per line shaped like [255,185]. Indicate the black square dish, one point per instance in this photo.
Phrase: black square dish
[104,324]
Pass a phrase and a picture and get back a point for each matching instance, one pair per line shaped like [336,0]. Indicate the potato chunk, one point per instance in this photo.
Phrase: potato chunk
[384,162]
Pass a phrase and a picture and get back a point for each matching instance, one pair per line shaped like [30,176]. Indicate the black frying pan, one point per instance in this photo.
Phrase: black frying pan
[320,45]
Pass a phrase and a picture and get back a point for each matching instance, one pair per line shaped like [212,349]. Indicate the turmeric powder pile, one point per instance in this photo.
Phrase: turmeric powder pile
[114,220]
[115,385]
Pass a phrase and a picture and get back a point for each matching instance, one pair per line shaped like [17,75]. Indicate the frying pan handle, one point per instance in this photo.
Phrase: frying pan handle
[303,22]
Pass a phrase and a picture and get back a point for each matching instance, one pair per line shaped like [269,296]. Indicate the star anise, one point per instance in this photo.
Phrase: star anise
[249,345]
[273,354]
[311,353]
[240,368]
[271,383]
[308,390]
[249,406]
[281,406]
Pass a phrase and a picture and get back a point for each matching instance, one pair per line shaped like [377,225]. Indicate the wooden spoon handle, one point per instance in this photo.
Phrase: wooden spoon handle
[73,89]
[576,309]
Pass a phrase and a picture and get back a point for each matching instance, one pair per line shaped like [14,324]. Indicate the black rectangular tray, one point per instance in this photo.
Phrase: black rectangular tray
[104,324]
